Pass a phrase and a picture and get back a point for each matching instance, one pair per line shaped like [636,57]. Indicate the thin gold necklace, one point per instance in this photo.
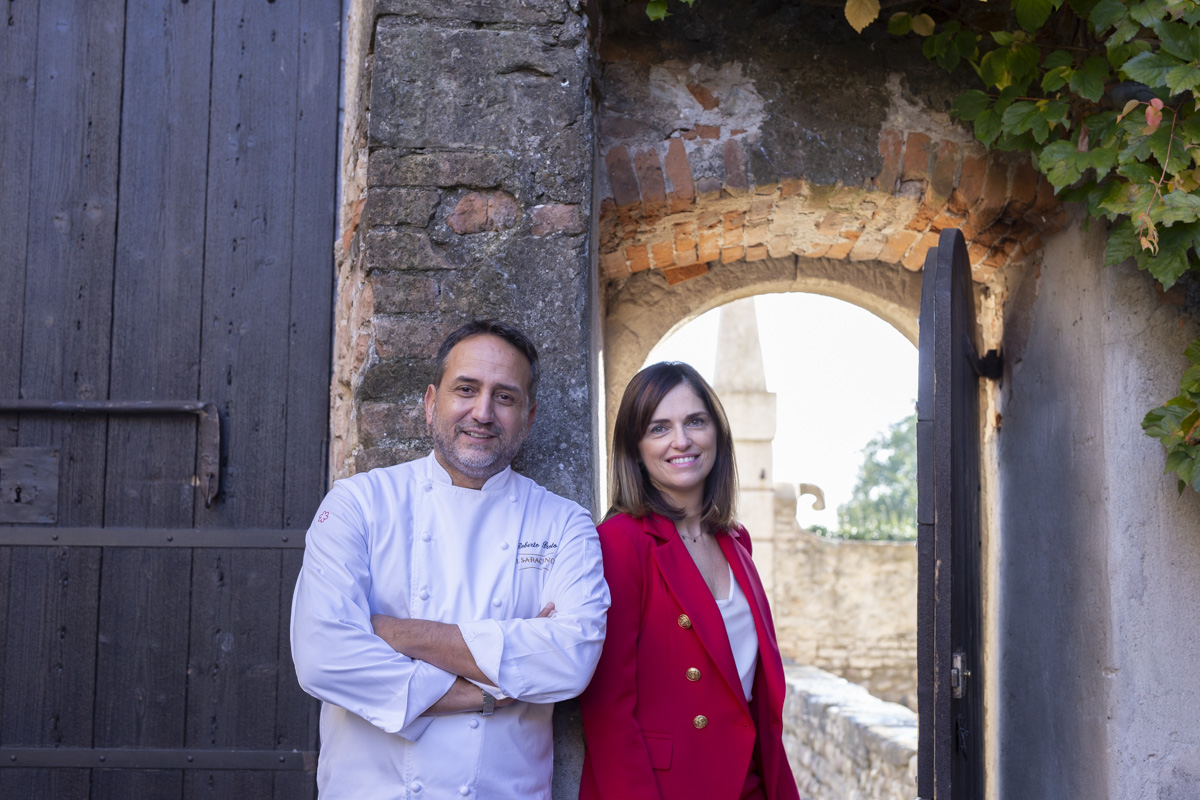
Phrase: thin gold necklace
[692,539]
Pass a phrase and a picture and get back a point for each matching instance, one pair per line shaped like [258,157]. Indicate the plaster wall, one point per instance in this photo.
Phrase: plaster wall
[1099,571]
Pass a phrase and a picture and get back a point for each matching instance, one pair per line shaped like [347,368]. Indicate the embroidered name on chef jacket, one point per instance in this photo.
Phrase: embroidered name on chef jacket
[536,555]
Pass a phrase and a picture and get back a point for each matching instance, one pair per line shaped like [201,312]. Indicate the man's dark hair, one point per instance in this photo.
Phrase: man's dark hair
[501,330]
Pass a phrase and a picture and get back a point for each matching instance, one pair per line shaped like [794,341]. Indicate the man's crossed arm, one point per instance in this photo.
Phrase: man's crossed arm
[442,645]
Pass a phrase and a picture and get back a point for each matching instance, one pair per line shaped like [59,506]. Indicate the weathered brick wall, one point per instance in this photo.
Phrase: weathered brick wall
[847,607]
[468,167]
[731,137]
[844,744]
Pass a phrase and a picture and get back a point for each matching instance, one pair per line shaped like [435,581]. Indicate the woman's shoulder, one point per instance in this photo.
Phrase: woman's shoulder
[621,524]
[627,528]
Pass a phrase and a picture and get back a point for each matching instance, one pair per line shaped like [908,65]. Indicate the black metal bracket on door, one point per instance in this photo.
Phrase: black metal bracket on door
[990,365]
[208,432]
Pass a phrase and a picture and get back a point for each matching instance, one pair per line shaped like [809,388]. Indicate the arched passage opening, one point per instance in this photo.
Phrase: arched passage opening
[847,607]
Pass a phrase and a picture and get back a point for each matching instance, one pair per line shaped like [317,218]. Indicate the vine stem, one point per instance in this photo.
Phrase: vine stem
[1166,162]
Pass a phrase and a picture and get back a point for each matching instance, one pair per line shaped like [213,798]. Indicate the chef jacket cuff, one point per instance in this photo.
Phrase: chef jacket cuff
[494,691]
[486,642]
[426,686]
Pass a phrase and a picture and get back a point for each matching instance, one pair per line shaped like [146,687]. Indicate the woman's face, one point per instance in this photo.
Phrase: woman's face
[677,447]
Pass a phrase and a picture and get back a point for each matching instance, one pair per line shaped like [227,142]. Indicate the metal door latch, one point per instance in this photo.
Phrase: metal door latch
[208,435]
[958,674]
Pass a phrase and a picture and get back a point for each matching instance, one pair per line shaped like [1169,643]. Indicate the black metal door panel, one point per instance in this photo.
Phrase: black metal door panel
[950,678]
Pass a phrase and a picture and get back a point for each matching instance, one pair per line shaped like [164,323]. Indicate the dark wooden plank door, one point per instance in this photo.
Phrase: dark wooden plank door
[950,678]
[72,140]
[166,233]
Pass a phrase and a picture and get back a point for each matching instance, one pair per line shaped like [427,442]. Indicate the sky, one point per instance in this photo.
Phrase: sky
[840,375]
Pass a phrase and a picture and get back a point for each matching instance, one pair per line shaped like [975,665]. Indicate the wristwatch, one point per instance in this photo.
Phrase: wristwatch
[489,704]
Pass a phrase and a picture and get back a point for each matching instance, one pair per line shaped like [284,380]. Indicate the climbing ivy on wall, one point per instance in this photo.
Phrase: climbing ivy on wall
[1102,95]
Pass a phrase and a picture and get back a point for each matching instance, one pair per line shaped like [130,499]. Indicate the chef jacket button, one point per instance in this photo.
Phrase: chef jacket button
[512,498]
[416,787]
[464,790]
[423,594]
[425,537]
[700,721]
[496,602]
[504,545]
[428,486]
[693,674]
[684,622]
[474,723]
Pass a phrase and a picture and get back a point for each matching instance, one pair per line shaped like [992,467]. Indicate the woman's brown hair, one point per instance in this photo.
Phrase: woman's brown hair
[631,489]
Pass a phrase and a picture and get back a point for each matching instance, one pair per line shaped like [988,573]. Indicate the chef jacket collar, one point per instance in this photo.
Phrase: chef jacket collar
[437,473]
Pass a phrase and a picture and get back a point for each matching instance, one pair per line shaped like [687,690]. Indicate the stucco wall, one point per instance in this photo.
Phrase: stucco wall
[1099,574]
[847,607]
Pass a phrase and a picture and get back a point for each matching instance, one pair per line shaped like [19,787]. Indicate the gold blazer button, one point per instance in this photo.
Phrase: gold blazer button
[693,674]
[700,721]
[684,622]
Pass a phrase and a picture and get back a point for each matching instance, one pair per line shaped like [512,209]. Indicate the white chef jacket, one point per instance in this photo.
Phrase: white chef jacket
[406,542]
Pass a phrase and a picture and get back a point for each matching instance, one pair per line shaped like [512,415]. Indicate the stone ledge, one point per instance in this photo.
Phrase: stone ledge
[843,742]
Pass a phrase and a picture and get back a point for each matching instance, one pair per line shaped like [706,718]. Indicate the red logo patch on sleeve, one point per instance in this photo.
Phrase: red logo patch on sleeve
[324,515]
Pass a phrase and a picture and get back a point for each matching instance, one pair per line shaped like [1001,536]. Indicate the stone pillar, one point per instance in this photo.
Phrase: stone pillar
[467,174]
[742,386]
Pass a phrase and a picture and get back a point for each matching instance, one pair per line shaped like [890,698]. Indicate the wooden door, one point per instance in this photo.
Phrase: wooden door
[949,626]
[167,207]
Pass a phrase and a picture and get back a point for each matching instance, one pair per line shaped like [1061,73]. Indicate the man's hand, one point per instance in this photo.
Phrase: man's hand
[463,696]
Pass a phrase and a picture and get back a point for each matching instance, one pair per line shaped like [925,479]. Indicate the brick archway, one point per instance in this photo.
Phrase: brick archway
[700,204]
[647,308]
[658,213]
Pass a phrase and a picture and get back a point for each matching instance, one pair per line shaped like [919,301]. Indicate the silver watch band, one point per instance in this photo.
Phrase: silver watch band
[489,704]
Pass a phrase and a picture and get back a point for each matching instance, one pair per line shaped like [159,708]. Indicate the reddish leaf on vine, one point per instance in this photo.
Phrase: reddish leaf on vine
[1153,116]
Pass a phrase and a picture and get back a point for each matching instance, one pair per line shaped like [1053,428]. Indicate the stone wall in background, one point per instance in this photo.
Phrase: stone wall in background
[848,607]
[844,744]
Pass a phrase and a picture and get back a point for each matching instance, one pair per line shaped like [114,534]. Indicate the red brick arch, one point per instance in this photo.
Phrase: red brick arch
[655,215]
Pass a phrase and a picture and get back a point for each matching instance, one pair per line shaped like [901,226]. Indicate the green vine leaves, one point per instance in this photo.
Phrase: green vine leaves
[1101,94]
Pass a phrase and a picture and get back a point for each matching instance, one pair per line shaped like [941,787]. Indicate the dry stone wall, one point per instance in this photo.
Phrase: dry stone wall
[848,607]
[845,744]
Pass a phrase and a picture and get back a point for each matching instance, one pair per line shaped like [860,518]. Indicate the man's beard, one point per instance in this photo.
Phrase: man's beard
[477,463]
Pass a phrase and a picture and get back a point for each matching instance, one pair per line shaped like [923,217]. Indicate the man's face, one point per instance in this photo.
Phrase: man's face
[480,412]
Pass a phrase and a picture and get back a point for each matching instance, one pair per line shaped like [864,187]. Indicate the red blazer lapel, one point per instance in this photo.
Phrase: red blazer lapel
[746,575]
[684,581]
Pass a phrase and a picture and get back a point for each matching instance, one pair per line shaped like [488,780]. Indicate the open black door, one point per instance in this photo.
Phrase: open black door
[949,628]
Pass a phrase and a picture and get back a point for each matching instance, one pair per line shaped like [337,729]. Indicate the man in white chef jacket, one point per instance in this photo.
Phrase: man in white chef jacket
[445,604]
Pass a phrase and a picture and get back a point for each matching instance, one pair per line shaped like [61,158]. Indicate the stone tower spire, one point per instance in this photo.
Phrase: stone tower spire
[739,355]
[741,383]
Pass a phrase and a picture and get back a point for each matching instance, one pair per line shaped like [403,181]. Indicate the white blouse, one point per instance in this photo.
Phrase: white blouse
[743,638]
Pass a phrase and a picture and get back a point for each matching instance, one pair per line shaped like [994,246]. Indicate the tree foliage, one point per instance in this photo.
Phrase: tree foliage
[1102,95]
[883,504]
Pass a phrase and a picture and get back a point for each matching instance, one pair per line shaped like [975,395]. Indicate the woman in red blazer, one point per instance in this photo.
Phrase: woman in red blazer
[687,700]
